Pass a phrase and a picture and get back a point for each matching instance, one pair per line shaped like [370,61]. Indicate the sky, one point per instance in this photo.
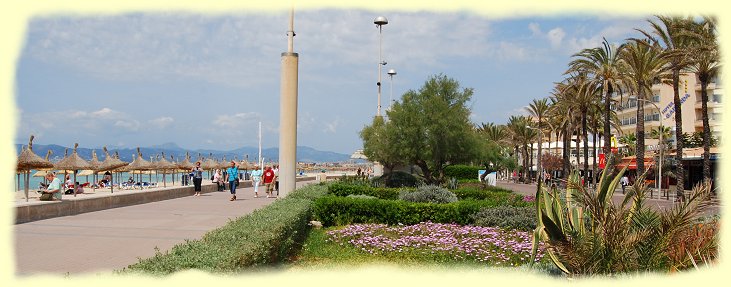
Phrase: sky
[205,81]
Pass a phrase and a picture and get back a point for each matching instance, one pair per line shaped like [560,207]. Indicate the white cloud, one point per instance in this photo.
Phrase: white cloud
[535,28]
[555,36]
[236,120]
[162,122]
[131,125]
[332,127]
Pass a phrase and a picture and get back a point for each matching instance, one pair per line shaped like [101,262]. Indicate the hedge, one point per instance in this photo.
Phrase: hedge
[268,235]
[491,192]
[461,171]
[335,210]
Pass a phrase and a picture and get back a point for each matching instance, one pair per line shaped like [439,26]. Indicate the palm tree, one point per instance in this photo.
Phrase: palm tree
[605,66]
[706,64]
[644,64]
[583,94]
[670,34]
[630,140]
[539,110]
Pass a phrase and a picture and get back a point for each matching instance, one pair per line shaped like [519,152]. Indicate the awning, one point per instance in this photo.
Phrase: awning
[631,162]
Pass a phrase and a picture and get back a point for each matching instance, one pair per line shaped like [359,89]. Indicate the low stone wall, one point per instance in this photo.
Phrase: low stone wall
[38,210]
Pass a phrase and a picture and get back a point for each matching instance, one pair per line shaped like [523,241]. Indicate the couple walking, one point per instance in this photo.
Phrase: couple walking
[233,178]
[269,175]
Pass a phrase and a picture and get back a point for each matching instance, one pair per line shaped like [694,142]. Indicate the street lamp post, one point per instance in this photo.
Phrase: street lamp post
[391,73]
[658,184]
[380,21]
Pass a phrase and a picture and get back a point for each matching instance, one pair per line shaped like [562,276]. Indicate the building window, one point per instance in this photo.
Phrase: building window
[652,118]
[656,98]
[716,98]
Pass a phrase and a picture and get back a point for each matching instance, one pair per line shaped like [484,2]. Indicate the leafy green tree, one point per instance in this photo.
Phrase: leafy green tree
[377,141]
[429,128]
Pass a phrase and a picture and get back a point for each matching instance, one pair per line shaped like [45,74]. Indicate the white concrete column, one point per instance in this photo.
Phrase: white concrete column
[288,123]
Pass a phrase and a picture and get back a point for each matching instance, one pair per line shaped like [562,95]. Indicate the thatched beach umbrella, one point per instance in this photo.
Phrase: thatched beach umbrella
[94,165]
[164,165]
[110,164]
[209,164]
[140,164]
[73,162]
[186,165]
[28,160]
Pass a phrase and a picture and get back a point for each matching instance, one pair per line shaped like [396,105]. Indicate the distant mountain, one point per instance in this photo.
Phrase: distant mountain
[304,153]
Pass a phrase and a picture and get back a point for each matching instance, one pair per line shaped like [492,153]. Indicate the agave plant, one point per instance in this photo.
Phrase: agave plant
[586,233]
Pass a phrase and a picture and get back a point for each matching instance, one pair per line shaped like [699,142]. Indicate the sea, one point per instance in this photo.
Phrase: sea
[35,181]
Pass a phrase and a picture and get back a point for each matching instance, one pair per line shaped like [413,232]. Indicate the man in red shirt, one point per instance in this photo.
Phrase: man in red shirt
[269,180]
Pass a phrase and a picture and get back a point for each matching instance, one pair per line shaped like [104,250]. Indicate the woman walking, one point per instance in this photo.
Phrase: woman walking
[233,176]
[255,179]
[197,172]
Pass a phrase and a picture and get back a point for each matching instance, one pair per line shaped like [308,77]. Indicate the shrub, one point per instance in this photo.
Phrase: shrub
[462,171]
[523,218]
[268,235]
[335,210]
[362,196]
[396,179]
[340,189]
[503,196]
[428,193]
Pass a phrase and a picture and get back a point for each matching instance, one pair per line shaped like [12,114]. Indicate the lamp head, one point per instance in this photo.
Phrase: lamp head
[392,72]
[380,20]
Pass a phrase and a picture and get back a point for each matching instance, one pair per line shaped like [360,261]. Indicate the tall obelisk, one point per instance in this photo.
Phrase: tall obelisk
[288,115]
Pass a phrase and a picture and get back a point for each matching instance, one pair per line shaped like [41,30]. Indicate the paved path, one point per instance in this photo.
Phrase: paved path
[530,189]
[102,241]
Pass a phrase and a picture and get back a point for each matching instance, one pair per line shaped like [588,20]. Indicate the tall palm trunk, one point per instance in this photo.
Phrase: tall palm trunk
[706,128]
[585,138]
[607,117]
[679,171]
[566,153]
[525,163]
[640,132]
[593,154]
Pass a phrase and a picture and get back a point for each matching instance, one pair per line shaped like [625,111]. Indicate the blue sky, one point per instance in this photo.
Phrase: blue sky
[206,80]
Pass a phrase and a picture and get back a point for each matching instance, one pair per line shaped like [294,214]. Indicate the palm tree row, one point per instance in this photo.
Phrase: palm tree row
[583,102]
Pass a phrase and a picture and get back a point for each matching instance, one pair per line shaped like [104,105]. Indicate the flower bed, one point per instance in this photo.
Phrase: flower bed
[440,242]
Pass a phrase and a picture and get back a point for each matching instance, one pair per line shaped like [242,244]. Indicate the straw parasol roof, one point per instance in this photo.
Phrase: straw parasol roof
[73,162]
[224,164]
[140,163]
[28,160]
[86,172]
[110,162]
[164,163]
[185,164]
[95,163]
[209,163]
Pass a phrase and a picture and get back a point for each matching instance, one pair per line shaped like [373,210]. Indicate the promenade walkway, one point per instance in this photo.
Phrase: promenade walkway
[102,241]
[655,202]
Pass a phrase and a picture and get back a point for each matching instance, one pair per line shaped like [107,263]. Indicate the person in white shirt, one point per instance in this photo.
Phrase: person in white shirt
[624,181]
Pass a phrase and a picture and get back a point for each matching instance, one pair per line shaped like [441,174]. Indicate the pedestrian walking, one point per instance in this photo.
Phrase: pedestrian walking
[624,181]
[256,179]
[233,179]
[269,181]
[197,173]
[276,178]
